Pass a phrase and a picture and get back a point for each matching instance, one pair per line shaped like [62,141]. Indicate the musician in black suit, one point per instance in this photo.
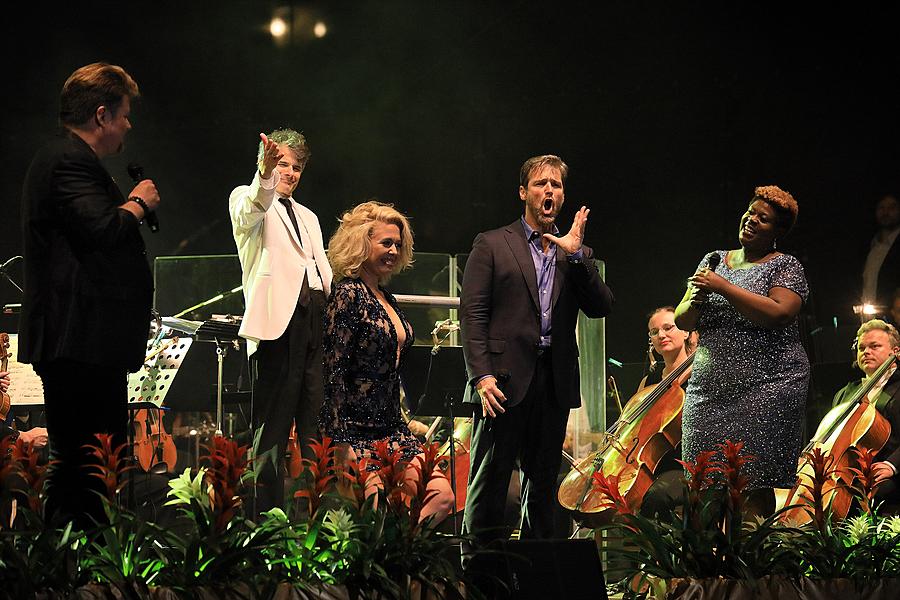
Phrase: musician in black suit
[522,290]
[876,341]
[881,268]
[35,435]
[88,287]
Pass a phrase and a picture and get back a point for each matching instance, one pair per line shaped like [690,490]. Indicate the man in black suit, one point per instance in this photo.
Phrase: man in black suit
[881,268]
[88,287]
[876,342]
[522,290]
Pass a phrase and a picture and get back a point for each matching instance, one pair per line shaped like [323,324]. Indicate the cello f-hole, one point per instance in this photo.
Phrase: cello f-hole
[629,458]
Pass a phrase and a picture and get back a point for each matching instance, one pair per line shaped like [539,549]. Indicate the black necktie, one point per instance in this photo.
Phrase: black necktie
[290,211]
[304,287]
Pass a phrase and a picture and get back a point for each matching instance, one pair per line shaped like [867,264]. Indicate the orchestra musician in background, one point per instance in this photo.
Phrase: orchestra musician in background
[35,435]
[876,341]
[672,345]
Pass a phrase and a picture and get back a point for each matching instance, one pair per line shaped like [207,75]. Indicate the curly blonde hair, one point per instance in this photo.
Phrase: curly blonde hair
[351,244]
[784,204]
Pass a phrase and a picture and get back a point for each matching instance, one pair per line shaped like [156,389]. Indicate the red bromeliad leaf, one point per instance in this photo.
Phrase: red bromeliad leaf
[732,468]
[392,472]
[426,469]
[608,488]
[322,472]
[31,471]
[111,464]
[864,481]
[823,470]
[700,471]
[228,462]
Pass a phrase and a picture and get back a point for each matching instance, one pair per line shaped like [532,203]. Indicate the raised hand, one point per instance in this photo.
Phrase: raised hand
[572,241]
[268,157]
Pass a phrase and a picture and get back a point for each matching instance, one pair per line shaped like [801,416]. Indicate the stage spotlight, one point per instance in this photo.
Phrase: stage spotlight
[278,27]
[320,29]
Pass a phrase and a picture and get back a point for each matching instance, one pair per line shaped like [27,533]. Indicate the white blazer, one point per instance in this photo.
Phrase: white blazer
[272,257]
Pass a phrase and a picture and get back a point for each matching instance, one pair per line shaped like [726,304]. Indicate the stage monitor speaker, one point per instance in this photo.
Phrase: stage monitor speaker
[541,569]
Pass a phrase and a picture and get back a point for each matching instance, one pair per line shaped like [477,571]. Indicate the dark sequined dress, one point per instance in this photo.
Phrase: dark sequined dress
[362,384]
[749,383]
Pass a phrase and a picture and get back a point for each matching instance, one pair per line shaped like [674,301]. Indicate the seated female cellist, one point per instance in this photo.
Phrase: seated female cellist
[673,345]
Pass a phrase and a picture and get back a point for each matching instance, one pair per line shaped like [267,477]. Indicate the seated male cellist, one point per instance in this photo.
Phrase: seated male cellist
[876,342]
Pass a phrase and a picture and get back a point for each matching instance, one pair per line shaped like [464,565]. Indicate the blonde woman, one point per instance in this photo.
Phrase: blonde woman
[674,346]
[666,341]
[366,338]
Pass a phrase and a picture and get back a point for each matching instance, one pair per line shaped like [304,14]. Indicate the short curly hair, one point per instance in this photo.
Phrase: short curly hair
[294,140]
[781,201]
[351,244]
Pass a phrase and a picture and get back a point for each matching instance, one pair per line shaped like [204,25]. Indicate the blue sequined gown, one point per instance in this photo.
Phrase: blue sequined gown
[362,384]
[749,383]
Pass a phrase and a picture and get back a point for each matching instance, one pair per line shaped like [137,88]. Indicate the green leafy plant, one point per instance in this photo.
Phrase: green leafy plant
[709,536]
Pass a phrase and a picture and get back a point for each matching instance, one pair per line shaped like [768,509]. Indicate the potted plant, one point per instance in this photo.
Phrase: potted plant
[708,549]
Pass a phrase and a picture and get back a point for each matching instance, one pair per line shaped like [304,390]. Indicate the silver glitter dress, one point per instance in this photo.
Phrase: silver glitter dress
[749,383]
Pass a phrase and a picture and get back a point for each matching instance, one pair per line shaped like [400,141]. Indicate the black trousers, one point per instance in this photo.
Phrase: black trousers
[288,386]
[80,401]
[530,434]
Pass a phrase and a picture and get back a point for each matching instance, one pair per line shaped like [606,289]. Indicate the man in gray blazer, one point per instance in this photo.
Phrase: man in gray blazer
[522,290]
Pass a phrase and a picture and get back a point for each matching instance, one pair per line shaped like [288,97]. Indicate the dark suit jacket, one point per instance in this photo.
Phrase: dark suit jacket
[888,275]
[888,404]
[500,314]
[88,287]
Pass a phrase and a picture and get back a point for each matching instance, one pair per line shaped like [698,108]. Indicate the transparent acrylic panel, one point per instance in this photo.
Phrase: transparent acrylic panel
[430,275]
[195,283]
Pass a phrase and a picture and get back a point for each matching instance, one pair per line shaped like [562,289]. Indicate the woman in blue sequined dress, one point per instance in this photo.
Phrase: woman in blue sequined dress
[365,339]
[750,373]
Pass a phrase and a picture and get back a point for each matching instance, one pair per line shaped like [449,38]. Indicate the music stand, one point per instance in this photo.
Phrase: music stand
[434,379]
[149,385]
[224,332]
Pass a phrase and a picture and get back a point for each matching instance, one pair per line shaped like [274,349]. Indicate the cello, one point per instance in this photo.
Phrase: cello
[647,429]
[855,423]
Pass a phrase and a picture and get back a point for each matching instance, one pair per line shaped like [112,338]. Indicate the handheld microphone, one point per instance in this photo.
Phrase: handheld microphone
[712,261]
[136,172]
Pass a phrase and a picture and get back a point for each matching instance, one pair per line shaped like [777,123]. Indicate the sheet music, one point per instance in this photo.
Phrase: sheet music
[152,382]
[25,387]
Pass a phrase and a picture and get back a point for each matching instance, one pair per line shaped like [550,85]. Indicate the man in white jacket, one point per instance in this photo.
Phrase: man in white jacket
[286,279]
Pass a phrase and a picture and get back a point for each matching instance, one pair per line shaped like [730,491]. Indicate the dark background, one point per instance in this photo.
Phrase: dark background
[668,115]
